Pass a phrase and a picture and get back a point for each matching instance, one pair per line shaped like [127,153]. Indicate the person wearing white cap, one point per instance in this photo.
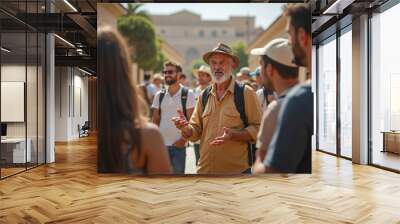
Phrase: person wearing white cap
[204,79]
[279,74]
[290,147]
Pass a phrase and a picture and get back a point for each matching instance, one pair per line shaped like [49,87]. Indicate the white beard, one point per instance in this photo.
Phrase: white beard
[222,79]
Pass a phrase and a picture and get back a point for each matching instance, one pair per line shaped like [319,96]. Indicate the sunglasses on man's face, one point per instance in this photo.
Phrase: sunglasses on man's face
[169,72]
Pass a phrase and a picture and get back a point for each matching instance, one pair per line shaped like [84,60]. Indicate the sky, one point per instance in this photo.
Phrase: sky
[265,13]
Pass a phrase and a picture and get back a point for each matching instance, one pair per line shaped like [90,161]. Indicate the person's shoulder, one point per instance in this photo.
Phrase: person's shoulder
[158,91]
[150,131]
[151,138]
[248,90]
[157,94]
[273,105]
[191,92]
[150,127]
[260,91]
[298,98]
[250,94]
[300,90]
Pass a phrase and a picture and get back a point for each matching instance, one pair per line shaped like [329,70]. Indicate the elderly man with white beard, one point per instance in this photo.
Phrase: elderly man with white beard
[226,118]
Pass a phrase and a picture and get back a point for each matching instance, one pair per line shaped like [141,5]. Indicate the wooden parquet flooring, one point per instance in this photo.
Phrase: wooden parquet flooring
[70,191]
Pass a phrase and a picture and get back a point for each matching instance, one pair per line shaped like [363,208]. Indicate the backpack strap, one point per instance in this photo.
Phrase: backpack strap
[265,93]
[184,95]
[160,99]
[240,107]
[204,97]
[238,95]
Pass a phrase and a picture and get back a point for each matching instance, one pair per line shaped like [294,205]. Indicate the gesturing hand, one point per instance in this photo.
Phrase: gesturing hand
[180,122]
[181,143]
[222,139]
[258,168]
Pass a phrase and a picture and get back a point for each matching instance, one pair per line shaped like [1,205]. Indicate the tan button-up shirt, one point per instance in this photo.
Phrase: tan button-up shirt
[230,157]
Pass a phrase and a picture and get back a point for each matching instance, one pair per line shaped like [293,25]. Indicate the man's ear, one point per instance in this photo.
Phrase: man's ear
[269,71]
[302,36]
[233,64]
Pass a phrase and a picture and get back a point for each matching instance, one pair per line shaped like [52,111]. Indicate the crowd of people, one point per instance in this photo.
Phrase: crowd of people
[257,121]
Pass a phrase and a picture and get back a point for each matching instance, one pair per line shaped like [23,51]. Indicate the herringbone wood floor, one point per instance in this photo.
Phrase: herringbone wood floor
[70,191]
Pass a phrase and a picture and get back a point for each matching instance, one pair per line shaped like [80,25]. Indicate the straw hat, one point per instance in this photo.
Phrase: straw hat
[221,49]
[203,68]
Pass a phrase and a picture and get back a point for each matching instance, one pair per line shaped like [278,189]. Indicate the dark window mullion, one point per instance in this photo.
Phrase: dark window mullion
[26,86]
[316,76]
[37,90]
[369,83]
[338,98]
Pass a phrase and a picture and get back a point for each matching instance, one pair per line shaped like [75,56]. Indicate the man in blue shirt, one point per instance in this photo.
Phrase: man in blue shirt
[290,147]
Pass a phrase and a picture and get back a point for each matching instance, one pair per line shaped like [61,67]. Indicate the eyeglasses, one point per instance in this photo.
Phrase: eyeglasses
[169,72]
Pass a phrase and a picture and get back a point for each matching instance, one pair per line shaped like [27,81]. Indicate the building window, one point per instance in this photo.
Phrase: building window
[214,33]
[240,34]
[201,33]
[192,54]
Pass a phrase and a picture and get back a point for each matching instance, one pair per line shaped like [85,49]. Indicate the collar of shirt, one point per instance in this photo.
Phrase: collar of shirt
[284,93]
[230,89]
[176,94]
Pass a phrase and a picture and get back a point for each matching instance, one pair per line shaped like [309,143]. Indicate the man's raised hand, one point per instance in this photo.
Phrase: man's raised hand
[180,122]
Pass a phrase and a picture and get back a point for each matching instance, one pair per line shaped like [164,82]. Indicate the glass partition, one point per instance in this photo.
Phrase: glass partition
[13,105]
[22,89]
[385,89]
[346,93]
[327,95]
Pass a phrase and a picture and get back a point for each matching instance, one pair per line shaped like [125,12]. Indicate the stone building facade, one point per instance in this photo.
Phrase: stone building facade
[192,36]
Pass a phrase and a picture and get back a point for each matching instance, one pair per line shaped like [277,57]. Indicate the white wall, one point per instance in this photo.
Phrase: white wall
[61,103]
[14,73]
[71,93]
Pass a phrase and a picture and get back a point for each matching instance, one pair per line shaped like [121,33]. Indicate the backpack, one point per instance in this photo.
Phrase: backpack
[238,95]
[184,94]
[266,93]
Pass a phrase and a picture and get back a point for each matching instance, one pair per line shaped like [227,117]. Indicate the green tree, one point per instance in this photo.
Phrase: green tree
[159,65]
[160,59]
[196,65]
[135,9]
[141,36]
[239,49]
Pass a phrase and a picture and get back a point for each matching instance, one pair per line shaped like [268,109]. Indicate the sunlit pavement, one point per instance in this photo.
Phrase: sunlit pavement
[190,160]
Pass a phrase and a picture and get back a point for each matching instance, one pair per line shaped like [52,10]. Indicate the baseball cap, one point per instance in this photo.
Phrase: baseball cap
[255,72]
[278,50]
[245,70]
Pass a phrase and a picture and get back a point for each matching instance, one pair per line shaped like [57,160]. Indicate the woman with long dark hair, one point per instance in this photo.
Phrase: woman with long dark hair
[127,143]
